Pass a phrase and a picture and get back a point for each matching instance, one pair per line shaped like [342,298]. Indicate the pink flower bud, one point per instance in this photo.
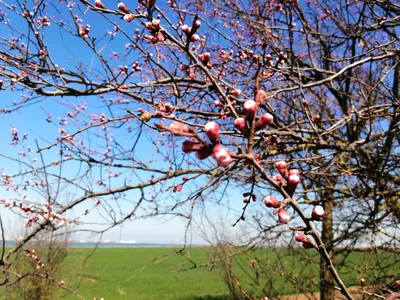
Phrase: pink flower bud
[205,57]
[249,108]
[318,213]
[185,29]
[283,216]
[277,177]
[294,172]
[178,188]
[160,36]
[218,103]
[362,282]
[196,25]
[122,7]
[99,4]
[261,95]
[129,17]
[212,131]
[194,38]
[301,237]
[266,119]
[155,24]
[221,155]
[281,165]
[177,128]
[236,92]
[149,25]
[271,201]
[241,125]
[293,181]
[183,67]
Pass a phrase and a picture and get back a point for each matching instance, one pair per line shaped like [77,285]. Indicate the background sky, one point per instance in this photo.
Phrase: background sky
[33,118]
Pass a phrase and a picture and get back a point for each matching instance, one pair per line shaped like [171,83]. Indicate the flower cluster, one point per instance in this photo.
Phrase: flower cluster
[155,33]
[32,254]
[35,214]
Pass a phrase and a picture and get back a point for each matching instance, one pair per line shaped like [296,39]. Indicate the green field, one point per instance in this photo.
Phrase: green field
[150,273]
[132,273]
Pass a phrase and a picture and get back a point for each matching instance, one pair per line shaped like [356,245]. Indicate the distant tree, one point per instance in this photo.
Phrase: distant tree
[294,101]
[34,273]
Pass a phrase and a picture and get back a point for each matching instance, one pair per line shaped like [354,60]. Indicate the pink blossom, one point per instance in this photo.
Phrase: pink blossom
[301,237]
[177,128]
[271,201]
[318,213]
[99,4]
[129,17]
[261,95]
[241,125]
[212,131]
[293,181]
[221,155]
[266,119]
[122,7]
[283,216]
[249,108]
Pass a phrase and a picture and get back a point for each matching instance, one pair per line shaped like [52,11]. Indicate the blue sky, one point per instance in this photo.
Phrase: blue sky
[68,52]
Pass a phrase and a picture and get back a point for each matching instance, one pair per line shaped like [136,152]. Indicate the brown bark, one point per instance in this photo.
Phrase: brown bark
[326,284]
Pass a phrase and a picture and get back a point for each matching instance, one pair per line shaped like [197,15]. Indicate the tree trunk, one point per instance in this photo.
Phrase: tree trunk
[326,284]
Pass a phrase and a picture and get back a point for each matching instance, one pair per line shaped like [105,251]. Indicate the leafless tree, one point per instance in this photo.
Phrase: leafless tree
[243,89]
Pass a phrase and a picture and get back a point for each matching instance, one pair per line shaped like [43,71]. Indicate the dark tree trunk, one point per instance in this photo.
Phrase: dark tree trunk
[326,284]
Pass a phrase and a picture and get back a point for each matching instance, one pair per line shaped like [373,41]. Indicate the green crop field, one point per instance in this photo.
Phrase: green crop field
[151,273]
[132,273]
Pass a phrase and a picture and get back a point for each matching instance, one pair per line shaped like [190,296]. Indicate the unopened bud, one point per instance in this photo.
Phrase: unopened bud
[261,95]
[301,237]
[177,128]
[318,213]
[241,125]
[265,120]
[236,92]
[281,166]
[185,29]
[156,24]
[196,25]
[212,131]
[277,177]
[99,4]
[283,216]
[362,282]
[194,38]
[218,103]
[122,7]
[129,17]
[271,201]
[294,172]
[221,155]
[293,181]
[249,108]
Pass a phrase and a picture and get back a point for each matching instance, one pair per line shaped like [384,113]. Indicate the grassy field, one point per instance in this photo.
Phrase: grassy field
[132,273]
[151,273]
